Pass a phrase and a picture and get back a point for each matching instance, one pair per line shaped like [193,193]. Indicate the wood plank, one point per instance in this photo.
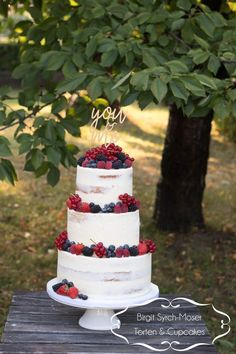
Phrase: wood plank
[38,348]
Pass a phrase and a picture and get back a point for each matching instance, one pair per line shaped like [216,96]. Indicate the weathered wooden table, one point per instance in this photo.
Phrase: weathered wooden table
[37,324]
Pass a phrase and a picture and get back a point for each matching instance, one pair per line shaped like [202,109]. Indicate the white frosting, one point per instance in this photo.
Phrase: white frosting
[102,186]
[116,229]
[106,277]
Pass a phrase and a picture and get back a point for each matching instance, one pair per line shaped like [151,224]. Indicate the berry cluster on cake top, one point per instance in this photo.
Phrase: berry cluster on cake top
[127,203]
[106,157]
[99,250]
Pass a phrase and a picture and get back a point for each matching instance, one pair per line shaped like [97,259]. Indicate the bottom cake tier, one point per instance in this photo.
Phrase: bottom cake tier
[106,277]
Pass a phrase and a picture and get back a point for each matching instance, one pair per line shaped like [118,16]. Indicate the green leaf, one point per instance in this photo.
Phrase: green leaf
[4,147]
[176,25]
[207,81]
[21,70]
[213,64]
[140,80]
[52,60]
[206,25]
[184,4]
[37,158]
[2,117]
[194,86]
[177,66]
[95,88]
[71,84]
[159,89]
[91,47]
[8,171]
[178,89]
[69,69]
[53,156]
[108,58]
[221,108]
[59,105]
[199,56]
[128,99]
[53,176]
[149,59]
[204,44]
[25,141]
[122,80]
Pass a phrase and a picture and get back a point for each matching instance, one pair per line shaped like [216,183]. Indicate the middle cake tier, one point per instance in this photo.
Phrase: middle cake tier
[116,229]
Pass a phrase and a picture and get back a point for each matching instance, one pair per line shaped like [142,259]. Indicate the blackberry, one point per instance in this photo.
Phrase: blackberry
[80,160]
[133,207]
[96,208]
[133,251]
[87,251]
[101,157]
[117,164]
[66,245]
[57,286]
[121,156]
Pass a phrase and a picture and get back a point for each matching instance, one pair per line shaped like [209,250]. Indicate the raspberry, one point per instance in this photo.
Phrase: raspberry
[62,290]
[61,239]
[101,164]
[128,162]
[124,208]
[150,246]
[142,248]
[119,252]
[73,202]
[117,209]
[73,249]
[137,203]
[84,207]
[108,165]
[126,252]
[85,163]
[73,292]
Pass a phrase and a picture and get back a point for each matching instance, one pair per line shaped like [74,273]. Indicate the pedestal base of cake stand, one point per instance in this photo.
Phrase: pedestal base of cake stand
[99,311]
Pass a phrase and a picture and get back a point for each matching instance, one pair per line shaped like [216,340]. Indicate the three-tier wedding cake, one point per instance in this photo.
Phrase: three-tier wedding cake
[101,253]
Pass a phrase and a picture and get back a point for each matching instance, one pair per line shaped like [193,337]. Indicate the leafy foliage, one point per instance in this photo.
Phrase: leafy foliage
[157,51]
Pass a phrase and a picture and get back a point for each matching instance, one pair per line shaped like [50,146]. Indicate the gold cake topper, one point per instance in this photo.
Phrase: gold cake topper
[107,134]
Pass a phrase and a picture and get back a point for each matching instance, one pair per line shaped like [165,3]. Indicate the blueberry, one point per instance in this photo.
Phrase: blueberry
[133,251]
[91,205]
[126,246]
[109,253]
[84,297]
[93,246]
[70,284]
[64,281]
[113,254]
[125,166]
[112,247]
[111,205]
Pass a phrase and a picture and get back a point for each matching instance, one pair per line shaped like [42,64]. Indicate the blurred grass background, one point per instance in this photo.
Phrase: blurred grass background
[201,264]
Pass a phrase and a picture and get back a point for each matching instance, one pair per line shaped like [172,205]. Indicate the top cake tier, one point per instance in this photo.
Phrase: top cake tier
[102,186]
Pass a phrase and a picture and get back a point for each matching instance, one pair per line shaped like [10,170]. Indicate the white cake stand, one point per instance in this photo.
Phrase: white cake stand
[99,312]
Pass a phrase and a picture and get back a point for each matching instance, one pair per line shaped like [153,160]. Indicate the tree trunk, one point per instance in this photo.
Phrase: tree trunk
[179,195]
